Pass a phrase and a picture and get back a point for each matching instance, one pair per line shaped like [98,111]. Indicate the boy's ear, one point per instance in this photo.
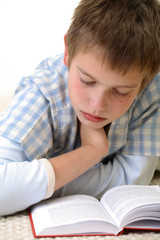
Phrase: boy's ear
[65,59]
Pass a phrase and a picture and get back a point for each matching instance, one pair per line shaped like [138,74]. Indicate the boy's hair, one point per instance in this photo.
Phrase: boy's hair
[127,33]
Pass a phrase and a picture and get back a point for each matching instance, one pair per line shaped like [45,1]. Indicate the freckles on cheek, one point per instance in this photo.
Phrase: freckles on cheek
[77,90]
[126,103]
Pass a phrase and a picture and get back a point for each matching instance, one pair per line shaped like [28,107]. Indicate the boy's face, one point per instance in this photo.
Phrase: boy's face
[99,95]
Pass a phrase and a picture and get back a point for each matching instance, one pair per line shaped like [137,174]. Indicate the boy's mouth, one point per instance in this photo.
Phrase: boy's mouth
[93,118]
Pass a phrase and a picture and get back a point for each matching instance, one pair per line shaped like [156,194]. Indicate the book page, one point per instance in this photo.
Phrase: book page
[122,199]
[147,224]
[72,209]
[67,211]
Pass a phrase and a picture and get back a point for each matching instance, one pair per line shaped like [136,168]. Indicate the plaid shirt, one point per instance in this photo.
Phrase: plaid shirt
[41,118]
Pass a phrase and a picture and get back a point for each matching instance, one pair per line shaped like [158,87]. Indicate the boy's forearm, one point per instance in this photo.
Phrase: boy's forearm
[71,165]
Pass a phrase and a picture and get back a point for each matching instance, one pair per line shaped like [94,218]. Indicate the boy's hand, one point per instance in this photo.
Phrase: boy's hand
[95,137]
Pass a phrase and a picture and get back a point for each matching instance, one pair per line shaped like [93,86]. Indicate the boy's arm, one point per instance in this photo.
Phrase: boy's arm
[121,170]
[71,165]
[23,183]
[133,169]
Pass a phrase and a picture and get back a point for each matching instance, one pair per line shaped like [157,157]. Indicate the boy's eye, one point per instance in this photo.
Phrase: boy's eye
[120,93]
[87,83]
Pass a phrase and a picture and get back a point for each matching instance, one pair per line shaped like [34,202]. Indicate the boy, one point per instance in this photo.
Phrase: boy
[87,121]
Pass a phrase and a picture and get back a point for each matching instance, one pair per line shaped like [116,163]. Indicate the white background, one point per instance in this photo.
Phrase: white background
[30,30]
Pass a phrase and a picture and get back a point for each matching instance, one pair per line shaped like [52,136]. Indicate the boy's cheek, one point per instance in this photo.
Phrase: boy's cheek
[120,107]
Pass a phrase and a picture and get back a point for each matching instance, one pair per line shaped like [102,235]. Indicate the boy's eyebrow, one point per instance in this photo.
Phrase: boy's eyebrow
[87,74]
[90,76]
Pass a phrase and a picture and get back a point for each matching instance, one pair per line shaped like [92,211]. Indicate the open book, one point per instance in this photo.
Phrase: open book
[129,206]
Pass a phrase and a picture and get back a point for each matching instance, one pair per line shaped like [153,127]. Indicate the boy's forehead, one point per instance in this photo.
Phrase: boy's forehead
[102,62]
[90,65]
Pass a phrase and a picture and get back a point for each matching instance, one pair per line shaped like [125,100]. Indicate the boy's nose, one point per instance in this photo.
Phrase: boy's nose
[98,102]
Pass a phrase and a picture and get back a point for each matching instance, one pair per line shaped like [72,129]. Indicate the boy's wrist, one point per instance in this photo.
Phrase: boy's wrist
[99,151]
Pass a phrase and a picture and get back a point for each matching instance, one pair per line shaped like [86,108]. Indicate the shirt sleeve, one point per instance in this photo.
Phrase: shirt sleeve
[22,182]
[143,136]
[27,120]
